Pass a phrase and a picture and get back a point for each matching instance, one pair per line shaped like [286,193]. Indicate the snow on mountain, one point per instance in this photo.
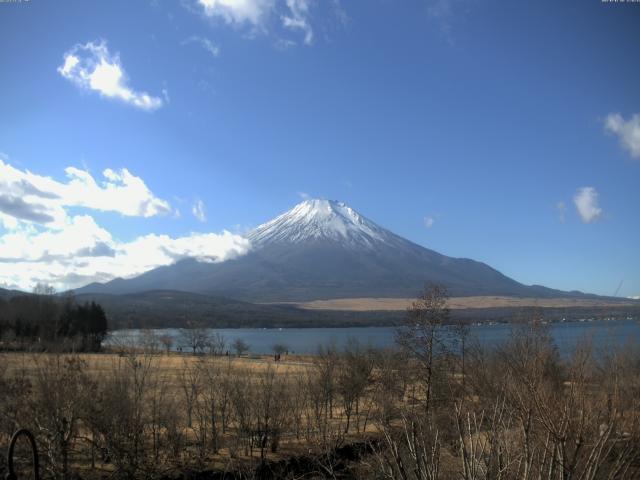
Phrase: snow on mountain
[323,249]
[315,220]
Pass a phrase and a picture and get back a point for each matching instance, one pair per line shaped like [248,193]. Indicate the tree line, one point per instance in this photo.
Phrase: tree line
[43,320]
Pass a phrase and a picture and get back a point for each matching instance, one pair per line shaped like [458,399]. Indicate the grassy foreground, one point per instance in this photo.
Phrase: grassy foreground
[517,411]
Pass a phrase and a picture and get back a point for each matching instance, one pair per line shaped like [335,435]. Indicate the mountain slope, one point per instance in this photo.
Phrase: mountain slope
[323,249]
[7,294]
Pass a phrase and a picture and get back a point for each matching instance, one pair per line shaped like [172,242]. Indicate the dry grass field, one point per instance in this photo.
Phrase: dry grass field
[509,413]
[184,402]
[171,366]
[480,302]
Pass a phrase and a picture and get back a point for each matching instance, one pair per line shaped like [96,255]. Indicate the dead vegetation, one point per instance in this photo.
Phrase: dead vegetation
[515,411]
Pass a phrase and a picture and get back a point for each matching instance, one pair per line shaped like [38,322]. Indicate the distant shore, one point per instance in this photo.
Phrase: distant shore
[458,303]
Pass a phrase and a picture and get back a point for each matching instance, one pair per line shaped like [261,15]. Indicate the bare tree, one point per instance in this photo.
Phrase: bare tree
[240,346]
[271,408]
[279,348]
[410,451]
[422,336]
[56,405]
[216,344]
[195,338]
[120,415]
[211,405]
[150,341]
[353,378]
[44,289]
[326,364]
[167,342]
[190,386]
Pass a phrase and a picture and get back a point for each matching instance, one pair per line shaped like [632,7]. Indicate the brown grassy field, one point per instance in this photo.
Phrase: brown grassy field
[170,365]
[168,379]
[455,303]
[134,414]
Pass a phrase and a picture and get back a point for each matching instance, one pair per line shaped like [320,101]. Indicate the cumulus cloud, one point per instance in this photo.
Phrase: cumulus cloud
[43,241]
[208,45]
[35,198]
[294,15]
[122,192]
[15,206]
[237,11]
[298,19]
[81,252]
[586,202]
[198,211]
[92,67]
[627,131]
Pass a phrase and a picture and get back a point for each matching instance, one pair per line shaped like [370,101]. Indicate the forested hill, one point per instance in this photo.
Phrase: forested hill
[168,308]
[50,321]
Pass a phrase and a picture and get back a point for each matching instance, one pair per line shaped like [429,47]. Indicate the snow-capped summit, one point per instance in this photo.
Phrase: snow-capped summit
[323,249]
[316,220]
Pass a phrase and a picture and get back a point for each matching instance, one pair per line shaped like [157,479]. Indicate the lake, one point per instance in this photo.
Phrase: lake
[566,335]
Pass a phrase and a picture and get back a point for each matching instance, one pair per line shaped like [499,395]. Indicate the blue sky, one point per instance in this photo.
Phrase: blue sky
[506,132]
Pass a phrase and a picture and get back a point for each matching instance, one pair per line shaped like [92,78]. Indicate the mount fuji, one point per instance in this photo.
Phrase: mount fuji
[323,249]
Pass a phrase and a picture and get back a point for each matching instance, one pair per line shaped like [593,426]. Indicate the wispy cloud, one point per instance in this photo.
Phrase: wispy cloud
[92,67]
[561,208]
[429,221]
[198,211]
[586,202]
[340,13]
[298,19]
[304,195]
[208,45]
[627,131]
[443,13]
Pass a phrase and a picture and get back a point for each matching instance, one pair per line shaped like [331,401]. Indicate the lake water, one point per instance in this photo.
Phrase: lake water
[566,335]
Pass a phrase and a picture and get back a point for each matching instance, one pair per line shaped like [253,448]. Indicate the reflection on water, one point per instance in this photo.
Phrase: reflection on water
[566,336]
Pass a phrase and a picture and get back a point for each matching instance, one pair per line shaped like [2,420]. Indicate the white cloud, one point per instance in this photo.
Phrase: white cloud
[298,19]
[237,11]
[208,45]
[340,13]
[429,221]
[628,131]
[198,211]
[92,67]
[81,252]
[294,15]
[562,211]
[122,192]
[304,195]
[586,202]
[41,241]
[28,197]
